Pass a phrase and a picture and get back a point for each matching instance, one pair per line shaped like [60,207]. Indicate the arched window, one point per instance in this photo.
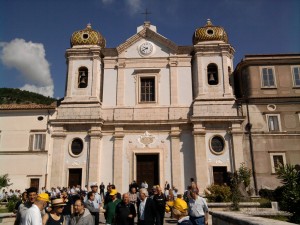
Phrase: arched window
[82,77]
[212,74]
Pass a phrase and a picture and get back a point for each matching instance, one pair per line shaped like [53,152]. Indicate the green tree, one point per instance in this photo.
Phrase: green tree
[239,185]
[290,198]
[244,174]
[218,193]
[4,181]
[17,96]
[235,182]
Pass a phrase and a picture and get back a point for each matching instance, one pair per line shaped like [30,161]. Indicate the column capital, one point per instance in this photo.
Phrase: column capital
[119,132]
[199,133]
[235,129]
[95,134]
[95,131]
[58,134]
[175,132]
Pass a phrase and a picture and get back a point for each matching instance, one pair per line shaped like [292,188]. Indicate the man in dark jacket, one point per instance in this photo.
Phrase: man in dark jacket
[160,204]
[125,212]
[146,209]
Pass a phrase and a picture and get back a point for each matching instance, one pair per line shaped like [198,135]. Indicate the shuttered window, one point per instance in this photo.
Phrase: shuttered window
[273,122]
[268,78]
[37,142]
[277,159]
[296,76]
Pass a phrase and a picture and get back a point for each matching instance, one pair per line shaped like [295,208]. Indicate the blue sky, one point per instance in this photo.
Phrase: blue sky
[34,34]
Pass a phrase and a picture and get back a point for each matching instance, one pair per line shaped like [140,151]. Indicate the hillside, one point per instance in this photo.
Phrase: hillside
[17,96]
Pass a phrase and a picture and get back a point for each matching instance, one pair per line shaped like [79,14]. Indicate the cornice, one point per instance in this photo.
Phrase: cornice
[145,122]
[270,99]
[215,48]
[200,119]
[279,133]
[82,51]
[44,152]
[272,59]
[76,121]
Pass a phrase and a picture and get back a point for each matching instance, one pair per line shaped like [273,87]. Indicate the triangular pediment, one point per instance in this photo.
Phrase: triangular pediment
[147,33]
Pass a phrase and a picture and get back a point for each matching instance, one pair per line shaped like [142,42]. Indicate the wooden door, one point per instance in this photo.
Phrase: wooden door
[147,169]
[220,174]
[35,182]
[75,176]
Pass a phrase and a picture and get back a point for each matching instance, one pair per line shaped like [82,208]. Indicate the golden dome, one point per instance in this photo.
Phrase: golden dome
[87,36]
[209,33]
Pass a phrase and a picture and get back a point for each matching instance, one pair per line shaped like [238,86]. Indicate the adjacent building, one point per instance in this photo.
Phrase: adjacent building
[268,87]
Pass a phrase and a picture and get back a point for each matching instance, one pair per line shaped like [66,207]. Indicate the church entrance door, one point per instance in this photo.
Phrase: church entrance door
[220,174]
[75,176]
[147,168]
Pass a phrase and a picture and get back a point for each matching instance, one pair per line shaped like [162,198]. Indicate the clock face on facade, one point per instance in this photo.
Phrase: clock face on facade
[146,48]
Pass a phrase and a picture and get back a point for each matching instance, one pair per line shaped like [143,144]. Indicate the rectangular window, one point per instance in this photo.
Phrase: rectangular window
[277,160]
[268,78]
[296,76]
[147,91]
[35,182]
[37,141]
[273,122]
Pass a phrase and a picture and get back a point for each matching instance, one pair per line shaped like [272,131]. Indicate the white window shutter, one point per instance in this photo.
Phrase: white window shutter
[30,146]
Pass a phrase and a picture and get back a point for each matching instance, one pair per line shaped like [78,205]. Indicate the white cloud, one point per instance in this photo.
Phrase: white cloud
[29,59]
[134,5]
[46,91]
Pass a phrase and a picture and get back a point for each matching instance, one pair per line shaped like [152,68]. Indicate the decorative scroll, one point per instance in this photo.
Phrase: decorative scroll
[146,139]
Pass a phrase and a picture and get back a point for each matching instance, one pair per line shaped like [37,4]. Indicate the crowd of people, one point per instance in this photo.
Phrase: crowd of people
[80,206]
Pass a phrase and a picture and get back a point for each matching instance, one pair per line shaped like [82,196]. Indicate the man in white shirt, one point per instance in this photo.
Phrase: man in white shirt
[33,215]
[98,199]
[23,207]
[198,209]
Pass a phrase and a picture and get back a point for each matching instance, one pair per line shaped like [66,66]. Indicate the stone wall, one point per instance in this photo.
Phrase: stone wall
[237,218]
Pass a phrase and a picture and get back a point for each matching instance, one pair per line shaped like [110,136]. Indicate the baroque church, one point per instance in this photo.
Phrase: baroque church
[150,110]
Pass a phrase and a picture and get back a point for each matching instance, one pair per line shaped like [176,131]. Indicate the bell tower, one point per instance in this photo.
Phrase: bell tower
[215,115]
[212,63]
[78,122]
[84,67]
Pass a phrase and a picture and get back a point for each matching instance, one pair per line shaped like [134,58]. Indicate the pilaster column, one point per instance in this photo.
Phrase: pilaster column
[173,82]
[200,157]
[237,144]
[200,76]
[58,158]
[94,154]
[175,158]
[95,78]
[70,77]
[118,158]
[120,84]
[227,89]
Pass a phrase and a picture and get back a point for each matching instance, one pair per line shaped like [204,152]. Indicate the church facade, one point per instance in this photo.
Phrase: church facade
[147,110]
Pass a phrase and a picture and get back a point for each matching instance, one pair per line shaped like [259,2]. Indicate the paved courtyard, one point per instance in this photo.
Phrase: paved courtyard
[10,220]
[168,220]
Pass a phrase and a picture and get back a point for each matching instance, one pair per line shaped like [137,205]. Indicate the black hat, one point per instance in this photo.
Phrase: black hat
[31,189]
